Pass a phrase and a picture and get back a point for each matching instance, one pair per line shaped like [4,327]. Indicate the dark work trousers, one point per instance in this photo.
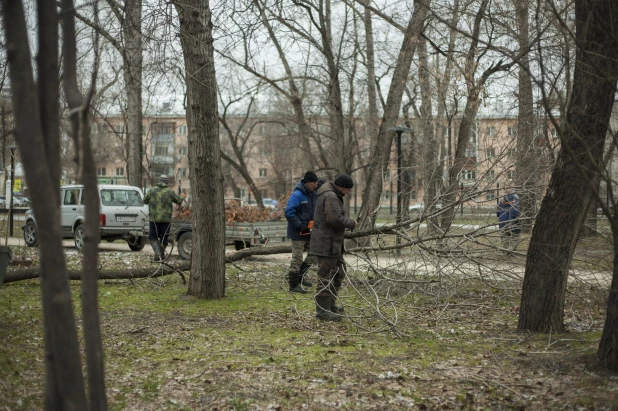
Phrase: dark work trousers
[331,271]
[159,232]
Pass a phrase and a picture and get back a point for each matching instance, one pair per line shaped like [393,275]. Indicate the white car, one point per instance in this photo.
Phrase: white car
[123,216]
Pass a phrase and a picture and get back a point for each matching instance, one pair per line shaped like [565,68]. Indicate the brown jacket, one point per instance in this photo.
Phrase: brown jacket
[329,223]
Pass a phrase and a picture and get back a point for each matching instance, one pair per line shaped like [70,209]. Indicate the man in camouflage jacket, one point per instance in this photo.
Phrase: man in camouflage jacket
[160,200]
[329,225]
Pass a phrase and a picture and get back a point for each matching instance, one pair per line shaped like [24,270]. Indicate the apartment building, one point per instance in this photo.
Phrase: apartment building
[272,156]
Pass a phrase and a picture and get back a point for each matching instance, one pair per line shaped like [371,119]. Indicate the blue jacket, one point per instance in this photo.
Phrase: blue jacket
[508,209]
[299,211]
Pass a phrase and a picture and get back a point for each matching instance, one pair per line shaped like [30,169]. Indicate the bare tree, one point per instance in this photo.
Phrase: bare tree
[130,48]
[208,218]
[474,88]
[38,136]
[564,208]
[381,152]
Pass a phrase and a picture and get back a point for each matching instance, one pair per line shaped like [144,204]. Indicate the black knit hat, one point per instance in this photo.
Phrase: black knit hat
[344,180]
[310,177]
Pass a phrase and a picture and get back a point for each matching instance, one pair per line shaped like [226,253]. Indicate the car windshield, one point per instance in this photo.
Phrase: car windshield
[127,198]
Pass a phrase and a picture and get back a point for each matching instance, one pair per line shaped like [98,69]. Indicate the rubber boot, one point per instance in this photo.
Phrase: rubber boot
[334,307]
[156,247]
[323,309]
[304,269]
[295,286]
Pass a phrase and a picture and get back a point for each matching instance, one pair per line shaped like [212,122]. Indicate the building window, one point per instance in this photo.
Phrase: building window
[510,174]
[101,171]
[491,174]
[470,150]
[490,153]
[490,195]
[162,128]
[469,175]
[243,193]
[262,130]
[263,172]
[182,172]
[119,171]
[182,151]
[161,150]
[447,131]
[491,131]
[119,129]
[182,130]
[511,152]
[553,132]
[511,131]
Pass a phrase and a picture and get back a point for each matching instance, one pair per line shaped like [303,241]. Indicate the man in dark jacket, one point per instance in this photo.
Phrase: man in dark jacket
[329,225]
[508,215]
[299,213]
[160,200]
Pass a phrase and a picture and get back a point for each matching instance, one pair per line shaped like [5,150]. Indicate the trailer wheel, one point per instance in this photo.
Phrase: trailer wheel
[185,243]
[241,245]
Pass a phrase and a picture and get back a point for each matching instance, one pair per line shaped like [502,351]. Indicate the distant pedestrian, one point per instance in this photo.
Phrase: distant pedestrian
[508,213]
[299,213]
[329,225]
[160,200]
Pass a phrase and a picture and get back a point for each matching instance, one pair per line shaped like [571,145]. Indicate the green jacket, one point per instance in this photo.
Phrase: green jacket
[159,200]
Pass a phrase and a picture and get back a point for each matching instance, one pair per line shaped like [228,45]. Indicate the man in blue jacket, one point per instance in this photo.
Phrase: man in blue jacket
[508,215]
[299,213]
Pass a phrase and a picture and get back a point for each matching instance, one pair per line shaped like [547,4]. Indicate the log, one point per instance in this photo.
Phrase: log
[157,270]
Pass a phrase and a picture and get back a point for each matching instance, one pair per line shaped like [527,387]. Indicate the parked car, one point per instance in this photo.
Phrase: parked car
[21,202]
[123,216]
[416,208]
[269,202]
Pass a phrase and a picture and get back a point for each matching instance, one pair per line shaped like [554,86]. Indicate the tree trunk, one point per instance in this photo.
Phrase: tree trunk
[564,208]
[80,132]
[526,165]
[372,97]
[132,30]
[608,347]
[381,152]
[430,144]
[207,261]
[64,380]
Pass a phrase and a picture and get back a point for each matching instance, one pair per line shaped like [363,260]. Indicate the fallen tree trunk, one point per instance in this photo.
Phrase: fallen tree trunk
[157,270]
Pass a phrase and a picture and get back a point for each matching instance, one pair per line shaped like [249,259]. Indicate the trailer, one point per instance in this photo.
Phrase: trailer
[241,235]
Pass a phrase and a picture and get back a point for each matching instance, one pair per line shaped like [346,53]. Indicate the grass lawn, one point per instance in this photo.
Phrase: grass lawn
[448,344]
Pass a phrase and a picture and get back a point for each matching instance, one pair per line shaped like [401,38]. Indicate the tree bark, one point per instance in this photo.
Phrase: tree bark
[608,346]
[64,380]
[430,144]
[132,31]
[207,261]
[564,207]
[79,115]
[526,165]
[372,95]
[381,152]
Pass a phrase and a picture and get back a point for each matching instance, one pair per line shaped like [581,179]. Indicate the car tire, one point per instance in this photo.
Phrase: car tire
[185,244]
[137,243]
[30,237]
[78,237]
